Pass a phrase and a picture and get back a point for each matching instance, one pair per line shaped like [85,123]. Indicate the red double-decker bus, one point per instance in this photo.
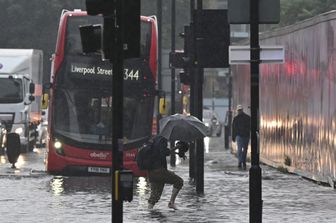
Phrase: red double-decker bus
[80,101]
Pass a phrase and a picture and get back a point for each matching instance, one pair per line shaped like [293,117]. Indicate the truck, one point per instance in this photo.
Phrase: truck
[21,72]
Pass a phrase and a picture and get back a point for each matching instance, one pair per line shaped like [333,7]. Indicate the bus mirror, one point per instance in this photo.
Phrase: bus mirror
[163,106]
[45,101]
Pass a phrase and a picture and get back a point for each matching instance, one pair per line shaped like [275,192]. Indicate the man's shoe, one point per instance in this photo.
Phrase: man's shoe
[150,206]
[172,205]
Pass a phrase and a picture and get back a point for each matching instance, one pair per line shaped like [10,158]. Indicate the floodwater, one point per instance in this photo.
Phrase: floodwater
[31,195]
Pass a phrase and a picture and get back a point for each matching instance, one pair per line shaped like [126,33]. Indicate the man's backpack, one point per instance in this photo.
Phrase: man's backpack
[146,156]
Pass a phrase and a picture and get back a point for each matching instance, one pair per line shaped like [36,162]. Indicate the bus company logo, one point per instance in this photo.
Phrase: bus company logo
[100,155]
[1,66]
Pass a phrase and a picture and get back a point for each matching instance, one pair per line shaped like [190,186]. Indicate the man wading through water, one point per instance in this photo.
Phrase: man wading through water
[159,175]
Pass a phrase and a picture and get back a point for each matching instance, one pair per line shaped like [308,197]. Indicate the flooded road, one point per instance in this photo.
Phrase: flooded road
[31,195]
[55,199]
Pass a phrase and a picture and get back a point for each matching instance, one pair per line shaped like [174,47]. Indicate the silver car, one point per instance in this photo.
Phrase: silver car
[2,138]
[211,120]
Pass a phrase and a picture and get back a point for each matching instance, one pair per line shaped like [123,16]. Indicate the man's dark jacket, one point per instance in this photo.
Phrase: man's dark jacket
[241,125]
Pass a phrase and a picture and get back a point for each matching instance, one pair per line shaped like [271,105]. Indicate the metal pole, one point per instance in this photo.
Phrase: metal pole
[199,112]
[213,91]
[192,99]
[229,112]
[159,71]
[117,115]
[173,10]
[255,170]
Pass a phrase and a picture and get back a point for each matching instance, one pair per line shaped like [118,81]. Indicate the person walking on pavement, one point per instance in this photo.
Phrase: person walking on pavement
[159,175]
[241,126]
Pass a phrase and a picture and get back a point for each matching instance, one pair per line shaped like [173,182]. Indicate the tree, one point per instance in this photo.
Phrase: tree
[33,24]
[293,11]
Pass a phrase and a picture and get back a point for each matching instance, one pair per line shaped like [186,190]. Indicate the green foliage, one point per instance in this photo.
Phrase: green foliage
[33,24]
[293,11]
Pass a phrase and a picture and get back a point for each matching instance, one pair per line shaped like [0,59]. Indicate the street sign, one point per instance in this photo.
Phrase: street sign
[268,54]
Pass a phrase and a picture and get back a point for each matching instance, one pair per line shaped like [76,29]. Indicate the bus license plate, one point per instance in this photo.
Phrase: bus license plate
[98,170]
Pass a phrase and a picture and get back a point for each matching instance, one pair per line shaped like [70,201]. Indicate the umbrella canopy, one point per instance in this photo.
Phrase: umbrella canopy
[182,127]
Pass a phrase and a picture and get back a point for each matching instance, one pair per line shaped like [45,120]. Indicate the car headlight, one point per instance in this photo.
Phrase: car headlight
[19,130]
[207,124]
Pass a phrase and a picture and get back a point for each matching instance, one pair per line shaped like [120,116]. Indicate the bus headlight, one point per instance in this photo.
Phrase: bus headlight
[19,130]
[58,147]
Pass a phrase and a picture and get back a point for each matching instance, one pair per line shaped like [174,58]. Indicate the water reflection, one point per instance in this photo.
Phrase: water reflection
[206,144]
[56,185]
[71,184]
[3,160]
[158,215]
[141,186]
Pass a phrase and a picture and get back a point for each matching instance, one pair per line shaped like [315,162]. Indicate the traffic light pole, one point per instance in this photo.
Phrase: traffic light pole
[159,74]
[199,112]
[229,113]
[173,15]
[117,116]
[192,103]
[255,170]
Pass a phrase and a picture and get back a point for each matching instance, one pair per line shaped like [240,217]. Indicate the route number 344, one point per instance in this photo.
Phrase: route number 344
[131,74]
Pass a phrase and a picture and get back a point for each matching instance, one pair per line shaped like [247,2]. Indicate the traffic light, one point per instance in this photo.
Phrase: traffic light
[131,14]
[108,43]
[183,59]
[95,7]
[185,77]
[178,59]
[189,44]
[123,13]
[212,36]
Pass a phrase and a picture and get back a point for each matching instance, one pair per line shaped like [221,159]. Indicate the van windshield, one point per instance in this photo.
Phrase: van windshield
[11,90]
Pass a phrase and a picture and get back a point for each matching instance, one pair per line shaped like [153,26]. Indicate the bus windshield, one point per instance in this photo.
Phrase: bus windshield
[84,115]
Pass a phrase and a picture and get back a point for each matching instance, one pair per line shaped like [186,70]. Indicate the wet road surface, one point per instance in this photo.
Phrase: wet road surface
[31,195]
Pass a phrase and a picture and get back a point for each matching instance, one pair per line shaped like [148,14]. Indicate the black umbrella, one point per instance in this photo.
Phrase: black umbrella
[182,127]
